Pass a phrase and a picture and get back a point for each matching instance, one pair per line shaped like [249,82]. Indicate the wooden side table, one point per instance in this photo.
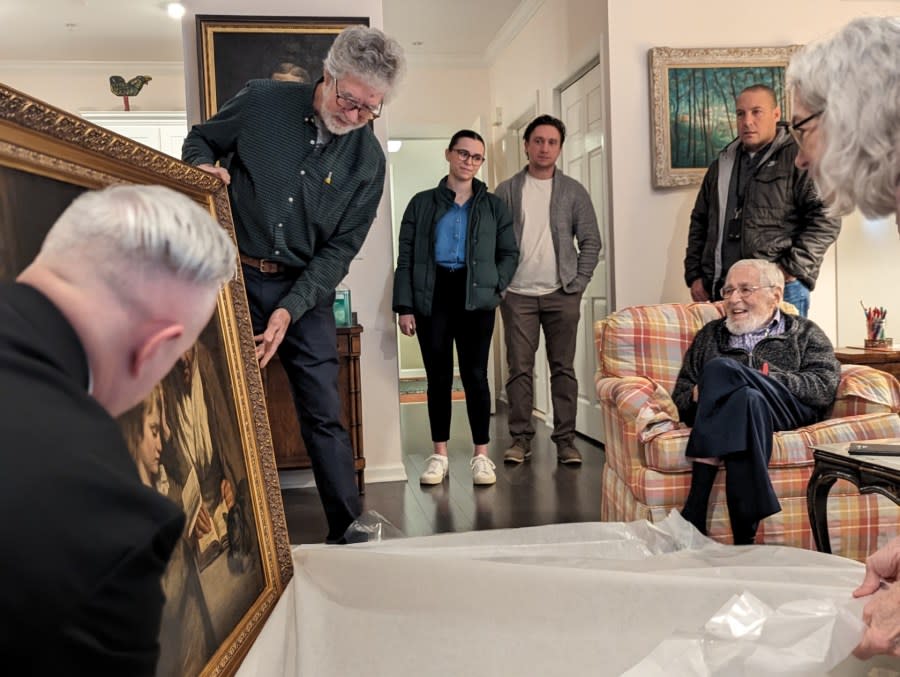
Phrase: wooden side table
[290,450]
[872,474]
[883,360]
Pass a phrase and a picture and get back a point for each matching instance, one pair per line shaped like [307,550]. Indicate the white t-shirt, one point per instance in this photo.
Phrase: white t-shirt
[538,273]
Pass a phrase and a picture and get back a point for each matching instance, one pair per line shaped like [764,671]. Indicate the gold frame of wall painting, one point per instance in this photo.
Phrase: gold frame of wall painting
[692,93]
[53,155]
[235,49]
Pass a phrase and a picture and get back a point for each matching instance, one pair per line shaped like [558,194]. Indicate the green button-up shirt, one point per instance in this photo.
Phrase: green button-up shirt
[308,206]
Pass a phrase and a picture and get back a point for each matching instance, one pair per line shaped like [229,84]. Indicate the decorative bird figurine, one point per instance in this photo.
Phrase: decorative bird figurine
[119,87]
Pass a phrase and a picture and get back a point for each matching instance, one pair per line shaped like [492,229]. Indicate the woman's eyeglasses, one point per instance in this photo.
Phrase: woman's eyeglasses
[465,156]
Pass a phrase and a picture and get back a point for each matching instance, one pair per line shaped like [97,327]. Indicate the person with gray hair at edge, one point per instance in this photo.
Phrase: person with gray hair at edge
[846,95]
[305,178]
[124,282]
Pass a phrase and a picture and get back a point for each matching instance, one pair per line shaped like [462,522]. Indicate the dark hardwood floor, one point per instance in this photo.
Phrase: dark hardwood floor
[539,491]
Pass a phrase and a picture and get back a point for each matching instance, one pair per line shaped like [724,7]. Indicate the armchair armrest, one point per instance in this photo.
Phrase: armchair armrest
[863,389]
[641,403]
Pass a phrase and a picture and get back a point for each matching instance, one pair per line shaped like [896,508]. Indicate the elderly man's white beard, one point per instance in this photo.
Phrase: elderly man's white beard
[336,126]
[748,323]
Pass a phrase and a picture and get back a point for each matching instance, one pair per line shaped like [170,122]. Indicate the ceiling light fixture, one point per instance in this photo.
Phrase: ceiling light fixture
[175,10]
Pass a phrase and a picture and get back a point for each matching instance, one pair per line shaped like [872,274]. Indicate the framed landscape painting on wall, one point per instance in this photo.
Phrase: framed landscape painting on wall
[692,93]
[225,578]
[235,49]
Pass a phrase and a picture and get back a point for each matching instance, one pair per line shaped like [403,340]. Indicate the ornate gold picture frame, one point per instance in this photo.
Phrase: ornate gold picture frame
[692,94]
[235,49]
[217,598]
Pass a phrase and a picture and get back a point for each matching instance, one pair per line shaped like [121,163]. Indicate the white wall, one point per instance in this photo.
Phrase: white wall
[559,39]
[370,274]
[434,100]
[75,86]
[650,225]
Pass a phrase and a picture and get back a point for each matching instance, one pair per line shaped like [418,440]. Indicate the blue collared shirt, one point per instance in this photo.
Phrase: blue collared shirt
[450,237]
[749,340]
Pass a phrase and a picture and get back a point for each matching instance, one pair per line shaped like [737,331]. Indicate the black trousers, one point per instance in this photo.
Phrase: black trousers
[309,356]
[738,411]
[471,330]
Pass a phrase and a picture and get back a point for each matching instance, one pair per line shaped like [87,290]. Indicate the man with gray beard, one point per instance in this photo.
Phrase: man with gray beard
[746,376]
[305,177]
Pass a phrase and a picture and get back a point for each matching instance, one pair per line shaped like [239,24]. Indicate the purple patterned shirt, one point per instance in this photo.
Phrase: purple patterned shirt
[749,340]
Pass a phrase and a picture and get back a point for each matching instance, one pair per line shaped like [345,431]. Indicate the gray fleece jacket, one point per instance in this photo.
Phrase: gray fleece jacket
[571,214]
[802,359]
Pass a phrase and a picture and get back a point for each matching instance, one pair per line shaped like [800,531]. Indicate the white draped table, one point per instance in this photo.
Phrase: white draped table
[569,599]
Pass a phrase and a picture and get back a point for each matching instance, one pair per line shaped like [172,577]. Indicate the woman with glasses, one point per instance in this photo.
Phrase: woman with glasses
[847,123]
[456,255]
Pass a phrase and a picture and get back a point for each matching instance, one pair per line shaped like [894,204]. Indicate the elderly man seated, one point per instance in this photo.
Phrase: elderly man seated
[753,373]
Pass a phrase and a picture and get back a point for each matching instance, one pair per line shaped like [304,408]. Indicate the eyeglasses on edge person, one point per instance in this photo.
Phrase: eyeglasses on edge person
[796,128]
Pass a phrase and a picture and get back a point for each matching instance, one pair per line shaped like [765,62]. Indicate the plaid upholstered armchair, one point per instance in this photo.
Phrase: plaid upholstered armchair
[639,351]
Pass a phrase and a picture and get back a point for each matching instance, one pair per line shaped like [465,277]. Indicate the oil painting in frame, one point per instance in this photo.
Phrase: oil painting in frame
[692,93]
[221,590]
[235,49]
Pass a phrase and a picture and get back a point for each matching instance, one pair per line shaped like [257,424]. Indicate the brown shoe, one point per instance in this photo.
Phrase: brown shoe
[568,454]
[517,453]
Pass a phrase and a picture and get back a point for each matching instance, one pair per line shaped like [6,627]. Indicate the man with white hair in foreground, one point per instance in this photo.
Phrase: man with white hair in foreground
[125,281]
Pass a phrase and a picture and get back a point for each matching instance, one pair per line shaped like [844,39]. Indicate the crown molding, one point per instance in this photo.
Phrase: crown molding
[511,28]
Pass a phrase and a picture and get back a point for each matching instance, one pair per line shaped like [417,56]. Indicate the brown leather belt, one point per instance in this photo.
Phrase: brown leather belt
[264,265]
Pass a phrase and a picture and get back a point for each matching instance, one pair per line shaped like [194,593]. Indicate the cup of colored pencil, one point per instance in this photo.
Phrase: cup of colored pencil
[875,317]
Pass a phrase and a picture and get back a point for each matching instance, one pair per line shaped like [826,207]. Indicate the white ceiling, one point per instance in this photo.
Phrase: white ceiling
[140,30]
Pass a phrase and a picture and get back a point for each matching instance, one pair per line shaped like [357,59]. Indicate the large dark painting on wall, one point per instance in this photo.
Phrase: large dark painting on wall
[235,49]
[202,437]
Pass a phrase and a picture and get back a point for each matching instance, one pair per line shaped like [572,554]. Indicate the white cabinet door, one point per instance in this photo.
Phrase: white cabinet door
[164,130]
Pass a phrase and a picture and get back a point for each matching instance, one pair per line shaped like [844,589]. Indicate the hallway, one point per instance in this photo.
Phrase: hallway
[539,491]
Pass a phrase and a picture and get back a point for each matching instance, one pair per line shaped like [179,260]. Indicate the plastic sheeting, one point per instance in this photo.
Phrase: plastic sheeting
[568,599]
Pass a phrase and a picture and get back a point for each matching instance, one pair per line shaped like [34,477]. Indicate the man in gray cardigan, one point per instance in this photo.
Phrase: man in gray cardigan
[551,212]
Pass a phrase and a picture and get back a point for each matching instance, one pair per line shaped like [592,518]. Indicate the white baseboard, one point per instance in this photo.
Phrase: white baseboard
[296,479]
[303,479]
[386,473]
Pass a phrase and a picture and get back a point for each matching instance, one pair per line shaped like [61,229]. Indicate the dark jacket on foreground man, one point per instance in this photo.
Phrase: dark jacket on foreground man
[89,550]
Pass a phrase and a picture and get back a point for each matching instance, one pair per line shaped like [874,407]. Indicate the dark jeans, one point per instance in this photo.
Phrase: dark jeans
[738,411]
[523,318]
[471,330]
[309,356]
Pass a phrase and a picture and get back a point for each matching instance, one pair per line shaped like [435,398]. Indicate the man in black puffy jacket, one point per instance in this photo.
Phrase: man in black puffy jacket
[746,376]
[755,203]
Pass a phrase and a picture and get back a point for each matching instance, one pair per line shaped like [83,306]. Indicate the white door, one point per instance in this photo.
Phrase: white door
[515,160]
[584,159]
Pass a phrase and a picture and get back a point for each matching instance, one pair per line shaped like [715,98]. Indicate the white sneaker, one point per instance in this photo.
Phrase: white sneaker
[437,468]
[483,470]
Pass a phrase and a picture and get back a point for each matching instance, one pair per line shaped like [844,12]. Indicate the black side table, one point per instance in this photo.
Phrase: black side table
[872,474]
